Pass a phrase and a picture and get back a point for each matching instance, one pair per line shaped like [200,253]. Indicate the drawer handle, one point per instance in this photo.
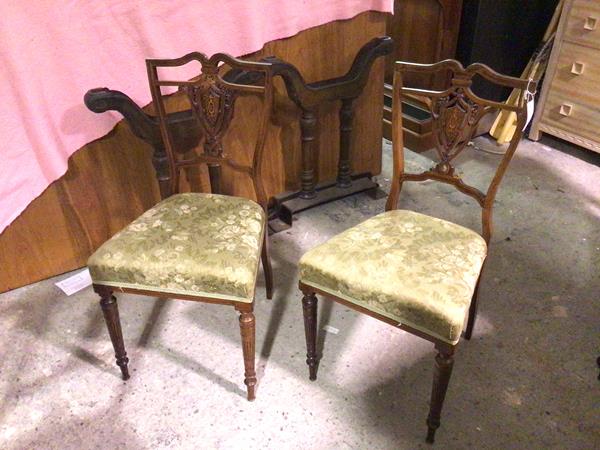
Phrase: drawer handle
[577,68]
[566,109]
[590,23]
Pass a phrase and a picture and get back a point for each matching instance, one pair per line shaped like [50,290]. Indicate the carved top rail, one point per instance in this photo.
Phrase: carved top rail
[456,113]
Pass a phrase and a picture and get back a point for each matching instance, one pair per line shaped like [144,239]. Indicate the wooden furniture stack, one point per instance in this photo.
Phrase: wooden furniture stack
[569,102]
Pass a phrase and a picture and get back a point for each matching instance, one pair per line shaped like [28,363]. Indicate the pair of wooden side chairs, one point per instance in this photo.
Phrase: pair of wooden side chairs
[413,271]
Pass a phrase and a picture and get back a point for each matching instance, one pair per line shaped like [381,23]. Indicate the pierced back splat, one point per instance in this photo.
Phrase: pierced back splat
[456,113]
[213,98]
[455,118]
[212,105]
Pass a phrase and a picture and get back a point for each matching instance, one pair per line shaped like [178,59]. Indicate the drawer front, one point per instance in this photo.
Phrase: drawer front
[577,119]
[583,24]
[577,75]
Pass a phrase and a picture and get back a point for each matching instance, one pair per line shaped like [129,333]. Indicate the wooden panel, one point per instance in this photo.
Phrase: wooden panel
[583,25]
[570,137]
[563,112]
[96,198]
[111,181]
[425,31]
[577,74]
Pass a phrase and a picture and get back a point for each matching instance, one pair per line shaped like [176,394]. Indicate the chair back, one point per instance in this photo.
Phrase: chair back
[212,96]
[455,113]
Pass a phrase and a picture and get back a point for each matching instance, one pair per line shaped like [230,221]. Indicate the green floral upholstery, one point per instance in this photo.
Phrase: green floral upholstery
[418,270]
[191,244]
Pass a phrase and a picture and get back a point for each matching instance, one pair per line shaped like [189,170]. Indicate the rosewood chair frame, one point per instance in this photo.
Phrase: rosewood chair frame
[456,112]
[212,100]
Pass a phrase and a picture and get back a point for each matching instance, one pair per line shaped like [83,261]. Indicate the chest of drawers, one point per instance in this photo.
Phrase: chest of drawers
[569,104]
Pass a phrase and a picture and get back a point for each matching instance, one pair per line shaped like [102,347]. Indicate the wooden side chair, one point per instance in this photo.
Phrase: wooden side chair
[413,271]
[197,246]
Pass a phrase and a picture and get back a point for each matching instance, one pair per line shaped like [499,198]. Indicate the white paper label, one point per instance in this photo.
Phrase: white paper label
[76,282]
[530,108]
[330,329]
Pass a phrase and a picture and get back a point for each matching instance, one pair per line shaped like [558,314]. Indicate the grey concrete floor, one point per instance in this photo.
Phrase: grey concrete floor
[526,380]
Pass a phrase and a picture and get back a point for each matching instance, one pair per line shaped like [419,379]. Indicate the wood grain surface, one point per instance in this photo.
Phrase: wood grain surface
[425,31]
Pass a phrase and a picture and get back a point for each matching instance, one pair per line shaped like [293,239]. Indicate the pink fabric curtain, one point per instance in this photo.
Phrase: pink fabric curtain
[53,51]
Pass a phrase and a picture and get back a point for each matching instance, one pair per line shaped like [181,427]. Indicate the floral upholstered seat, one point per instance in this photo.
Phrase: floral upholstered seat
[418,270]
[190,244]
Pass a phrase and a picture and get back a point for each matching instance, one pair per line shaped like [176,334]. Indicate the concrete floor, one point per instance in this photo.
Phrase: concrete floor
[526,380]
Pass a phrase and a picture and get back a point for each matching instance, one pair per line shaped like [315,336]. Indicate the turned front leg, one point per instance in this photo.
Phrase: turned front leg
[309,307]
[444,362]
[247,330]
[108,303]
[308,125]
[344,179]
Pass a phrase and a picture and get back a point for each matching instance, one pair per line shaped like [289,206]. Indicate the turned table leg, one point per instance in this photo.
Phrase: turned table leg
[308,125]
[344,170]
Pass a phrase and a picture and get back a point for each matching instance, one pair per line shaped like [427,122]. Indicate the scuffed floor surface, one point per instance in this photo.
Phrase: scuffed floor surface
[527,380]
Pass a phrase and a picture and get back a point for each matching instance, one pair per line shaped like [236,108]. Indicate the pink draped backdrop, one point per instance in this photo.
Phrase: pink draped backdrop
[53,51]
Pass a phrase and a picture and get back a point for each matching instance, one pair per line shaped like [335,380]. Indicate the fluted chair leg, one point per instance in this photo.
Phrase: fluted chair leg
[309,307]
[441,377]
[248,332]
[108,303]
